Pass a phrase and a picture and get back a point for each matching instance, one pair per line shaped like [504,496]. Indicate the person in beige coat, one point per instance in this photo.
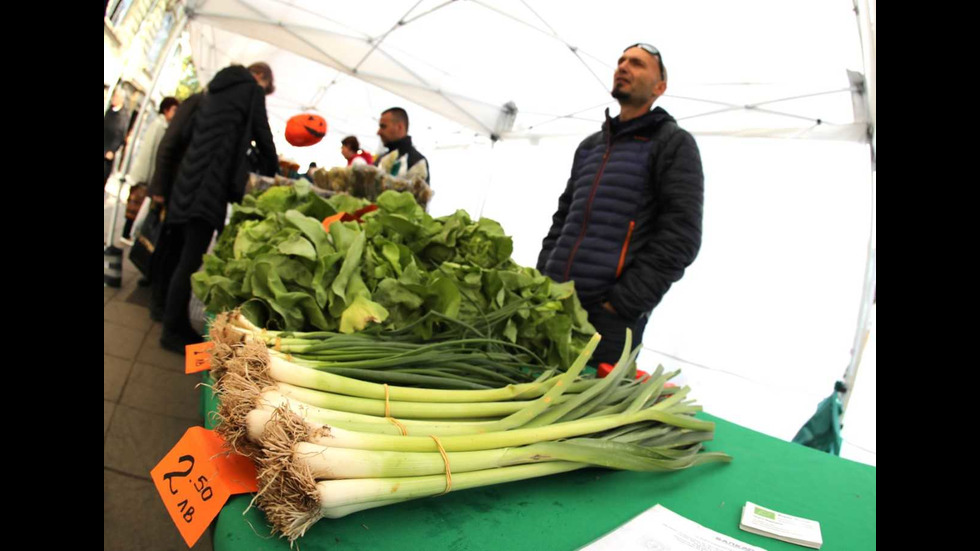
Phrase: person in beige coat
[142,168]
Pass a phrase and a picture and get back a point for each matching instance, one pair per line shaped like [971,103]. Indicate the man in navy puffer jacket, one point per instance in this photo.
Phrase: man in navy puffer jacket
[629,221]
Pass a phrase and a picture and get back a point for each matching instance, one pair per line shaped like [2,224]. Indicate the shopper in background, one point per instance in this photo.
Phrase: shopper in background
[308,175]
[114,130]
[141,170]
[213,172]
[350,148]
[401,160]
[171,151]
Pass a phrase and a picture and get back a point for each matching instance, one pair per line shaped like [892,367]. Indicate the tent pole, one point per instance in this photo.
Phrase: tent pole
[489,186]
[868,302]
[864,12]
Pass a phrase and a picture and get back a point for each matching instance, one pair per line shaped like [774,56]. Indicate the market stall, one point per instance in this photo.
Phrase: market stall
[341,354]
[347,275]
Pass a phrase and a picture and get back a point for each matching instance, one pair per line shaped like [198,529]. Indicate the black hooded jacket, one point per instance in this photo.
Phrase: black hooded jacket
[213,171]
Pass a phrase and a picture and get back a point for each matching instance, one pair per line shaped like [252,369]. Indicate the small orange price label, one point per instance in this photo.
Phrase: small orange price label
[197,357]
[196,479]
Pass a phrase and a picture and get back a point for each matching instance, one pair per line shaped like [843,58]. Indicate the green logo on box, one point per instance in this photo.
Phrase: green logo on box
[764,513]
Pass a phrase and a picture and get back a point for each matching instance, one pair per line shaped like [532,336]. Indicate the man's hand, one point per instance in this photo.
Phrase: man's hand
[609,307]
[109,155]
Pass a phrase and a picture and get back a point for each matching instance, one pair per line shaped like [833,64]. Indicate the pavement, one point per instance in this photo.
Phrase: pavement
[148,403]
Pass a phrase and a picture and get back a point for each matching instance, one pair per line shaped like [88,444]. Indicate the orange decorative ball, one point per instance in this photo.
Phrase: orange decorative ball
[306,129]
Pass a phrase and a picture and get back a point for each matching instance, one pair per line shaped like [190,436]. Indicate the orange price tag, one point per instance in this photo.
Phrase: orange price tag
[197,357]
[196,479]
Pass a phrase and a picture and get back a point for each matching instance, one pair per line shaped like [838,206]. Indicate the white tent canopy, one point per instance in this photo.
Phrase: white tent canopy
[768,309]
[734,68]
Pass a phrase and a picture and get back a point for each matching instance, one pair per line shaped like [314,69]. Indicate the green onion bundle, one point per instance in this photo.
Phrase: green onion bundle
[329,444]
[464,359]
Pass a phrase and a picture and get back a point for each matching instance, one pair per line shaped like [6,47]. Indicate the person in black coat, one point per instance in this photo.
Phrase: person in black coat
[114,131]
[212,172]
[167,162]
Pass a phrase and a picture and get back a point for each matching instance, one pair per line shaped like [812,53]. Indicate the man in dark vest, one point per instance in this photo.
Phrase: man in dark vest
[629,221]
[402,159]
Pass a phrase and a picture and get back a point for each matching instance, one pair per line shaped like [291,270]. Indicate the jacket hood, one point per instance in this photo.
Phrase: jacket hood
[652,118]
[230,77]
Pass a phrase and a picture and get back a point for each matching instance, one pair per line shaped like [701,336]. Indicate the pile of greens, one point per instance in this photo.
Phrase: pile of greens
[398,272]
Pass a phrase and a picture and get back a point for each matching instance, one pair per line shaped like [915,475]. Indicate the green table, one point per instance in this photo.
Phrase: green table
[570,510]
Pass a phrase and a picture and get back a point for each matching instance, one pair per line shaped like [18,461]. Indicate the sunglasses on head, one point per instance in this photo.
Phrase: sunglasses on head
[652,50]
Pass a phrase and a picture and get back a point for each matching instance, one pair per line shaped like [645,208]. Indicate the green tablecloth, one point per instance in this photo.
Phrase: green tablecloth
[570,510]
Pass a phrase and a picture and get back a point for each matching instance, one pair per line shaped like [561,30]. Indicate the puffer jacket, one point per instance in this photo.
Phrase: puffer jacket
[629,221]
[213,171]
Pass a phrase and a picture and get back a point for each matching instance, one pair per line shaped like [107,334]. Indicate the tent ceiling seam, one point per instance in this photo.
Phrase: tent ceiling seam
[465,112]
[536,14]
[286,29]
[552,34]
[254,9]
[804,96]
[586,65]
[570,115]
[817,121]
[701,100]
[371,76]
[791,115]
[270,22]
[375,42]
[509,16]
[289,29]
[322,91]
[309,43]
[423,14]
[364,35]
[709,113]
[405,68]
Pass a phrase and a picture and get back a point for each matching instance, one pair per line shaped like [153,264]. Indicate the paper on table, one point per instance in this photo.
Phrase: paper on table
[661,529]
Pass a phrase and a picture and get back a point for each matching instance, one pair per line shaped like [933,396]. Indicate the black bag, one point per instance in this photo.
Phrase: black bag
[141,253]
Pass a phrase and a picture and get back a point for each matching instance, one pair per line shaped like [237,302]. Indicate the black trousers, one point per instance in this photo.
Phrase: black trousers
[613,327]
[177,256]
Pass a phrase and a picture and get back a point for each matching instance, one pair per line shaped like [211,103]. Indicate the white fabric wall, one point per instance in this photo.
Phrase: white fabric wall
[763,321]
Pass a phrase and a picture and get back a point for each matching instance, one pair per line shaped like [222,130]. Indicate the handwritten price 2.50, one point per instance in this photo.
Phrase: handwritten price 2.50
[200,486]
[196,478]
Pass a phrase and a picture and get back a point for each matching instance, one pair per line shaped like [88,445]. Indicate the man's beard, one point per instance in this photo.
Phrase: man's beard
[620,95]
